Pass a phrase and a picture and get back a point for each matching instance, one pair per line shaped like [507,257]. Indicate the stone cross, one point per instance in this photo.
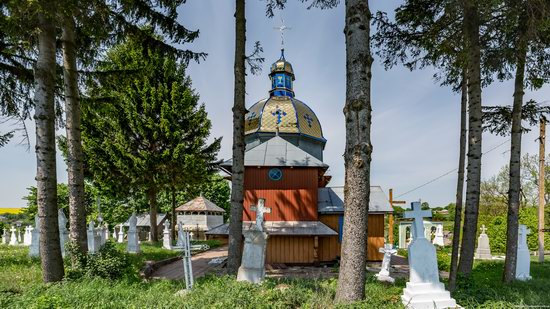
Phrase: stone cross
[13,237]
[523,232]
[92,246]
[483,229]
[260,211]
[167,236]
[384,274]
[418,215]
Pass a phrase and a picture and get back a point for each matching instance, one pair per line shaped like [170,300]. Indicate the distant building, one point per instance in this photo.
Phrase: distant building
[144,225]
[200,215]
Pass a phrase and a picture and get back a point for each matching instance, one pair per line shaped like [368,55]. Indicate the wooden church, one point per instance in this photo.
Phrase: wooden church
[284,165]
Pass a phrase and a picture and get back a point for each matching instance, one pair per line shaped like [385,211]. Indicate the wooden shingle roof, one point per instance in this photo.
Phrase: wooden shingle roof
[200,203]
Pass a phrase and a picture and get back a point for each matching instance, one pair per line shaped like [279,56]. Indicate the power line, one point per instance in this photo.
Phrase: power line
[449,172]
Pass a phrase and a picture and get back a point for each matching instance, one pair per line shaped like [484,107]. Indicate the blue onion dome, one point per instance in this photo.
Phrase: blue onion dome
[283,114]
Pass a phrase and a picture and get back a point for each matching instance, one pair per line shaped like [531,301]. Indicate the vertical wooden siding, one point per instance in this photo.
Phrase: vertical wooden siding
[293,198]
[290,249]
[329,247]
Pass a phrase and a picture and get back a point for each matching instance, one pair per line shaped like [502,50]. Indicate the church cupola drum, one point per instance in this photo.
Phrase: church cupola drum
[284,115]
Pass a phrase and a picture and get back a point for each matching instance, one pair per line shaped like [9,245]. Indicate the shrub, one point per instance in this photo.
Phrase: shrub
[108,262]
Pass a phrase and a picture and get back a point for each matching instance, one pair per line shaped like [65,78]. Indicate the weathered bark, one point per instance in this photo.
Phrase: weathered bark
[357,111]
[514,185]
[542,142]
[75,156]
[459,183]
[237,173]
[152,197]
[173,216]
[46,180]
[472,45]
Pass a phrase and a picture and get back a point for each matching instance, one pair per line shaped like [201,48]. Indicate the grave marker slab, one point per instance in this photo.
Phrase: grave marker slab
[133,241]
[523,261]
[483,251]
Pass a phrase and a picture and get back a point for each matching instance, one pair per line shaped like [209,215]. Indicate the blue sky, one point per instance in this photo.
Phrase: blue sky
[415,126]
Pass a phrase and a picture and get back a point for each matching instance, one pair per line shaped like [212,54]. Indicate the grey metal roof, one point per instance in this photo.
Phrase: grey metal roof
[308,228]
[331,200]
[144,220]
[278,152]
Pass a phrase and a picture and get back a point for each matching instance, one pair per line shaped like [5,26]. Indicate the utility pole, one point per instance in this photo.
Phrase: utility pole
[542,139]
[390,220]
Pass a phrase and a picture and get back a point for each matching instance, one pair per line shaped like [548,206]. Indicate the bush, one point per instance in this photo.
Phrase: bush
[108,262]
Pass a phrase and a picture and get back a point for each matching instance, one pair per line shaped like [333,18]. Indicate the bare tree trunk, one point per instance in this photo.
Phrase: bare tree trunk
[75,157]
[237,173]
[152,197]
[357,111]
[472,44]
[46,179]
[459,182]
[542,142]
[514,186]
[173,219]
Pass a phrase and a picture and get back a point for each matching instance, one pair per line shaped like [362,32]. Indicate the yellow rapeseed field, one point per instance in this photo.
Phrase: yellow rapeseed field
[10,210]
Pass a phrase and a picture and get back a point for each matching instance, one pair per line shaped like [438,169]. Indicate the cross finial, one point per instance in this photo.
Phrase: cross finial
[282,28]
[483,229]
[260,211]
[418,215]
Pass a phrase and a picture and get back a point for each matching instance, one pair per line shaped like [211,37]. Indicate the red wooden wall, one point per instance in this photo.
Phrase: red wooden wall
[293,198]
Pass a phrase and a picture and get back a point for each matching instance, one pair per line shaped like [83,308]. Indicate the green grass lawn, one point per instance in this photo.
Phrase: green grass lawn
[21,287]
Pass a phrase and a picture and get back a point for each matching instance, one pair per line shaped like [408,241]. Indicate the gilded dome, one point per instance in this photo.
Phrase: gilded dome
[284,113]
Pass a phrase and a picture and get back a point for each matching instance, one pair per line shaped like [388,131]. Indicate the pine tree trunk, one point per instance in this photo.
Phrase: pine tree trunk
[152,197]
[46,180]
[469,232]
[515,157]
[237,173]
[357,111]
[75,157]
[459,183]
[173,219]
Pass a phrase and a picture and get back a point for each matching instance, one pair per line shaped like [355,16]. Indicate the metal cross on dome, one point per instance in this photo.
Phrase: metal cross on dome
[282,28]
[309,120]
[418,215]
[278,113]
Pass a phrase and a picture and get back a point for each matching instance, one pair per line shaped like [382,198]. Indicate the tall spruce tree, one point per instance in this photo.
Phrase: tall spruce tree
[149,121]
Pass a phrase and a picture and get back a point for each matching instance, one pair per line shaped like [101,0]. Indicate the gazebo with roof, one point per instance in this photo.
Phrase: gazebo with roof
[200,215]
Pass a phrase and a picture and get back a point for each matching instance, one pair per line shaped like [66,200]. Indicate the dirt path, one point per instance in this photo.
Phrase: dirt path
[174,270]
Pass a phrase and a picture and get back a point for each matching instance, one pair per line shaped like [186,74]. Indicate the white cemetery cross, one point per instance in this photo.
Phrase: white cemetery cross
[13,237]
[104,233]
[167,236]
[92,245]
[181,236]
[523,261]
[384,274]
[5,237]
[121,233]
[483,251]
[438,239]
[115,235]
[133,241]
[28,236]
[253,261]
[34,250]
[63,232]
[423,289]
[187,262]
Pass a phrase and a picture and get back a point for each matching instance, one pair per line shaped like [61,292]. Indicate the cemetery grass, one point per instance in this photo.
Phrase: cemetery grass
[21,287]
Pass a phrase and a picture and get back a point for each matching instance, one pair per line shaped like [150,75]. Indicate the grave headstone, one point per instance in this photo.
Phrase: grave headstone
[5,237]
[167,236]
[181,236]
[483,251]
[253,261]
[187,263]
[34,249]
[104,233]
[121,233]
[384,274]
[92,245]
[115,234]
[523,261]
[63,232]
[13,236]
[438,238]
[28,235]
[133,240]
[424,290]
